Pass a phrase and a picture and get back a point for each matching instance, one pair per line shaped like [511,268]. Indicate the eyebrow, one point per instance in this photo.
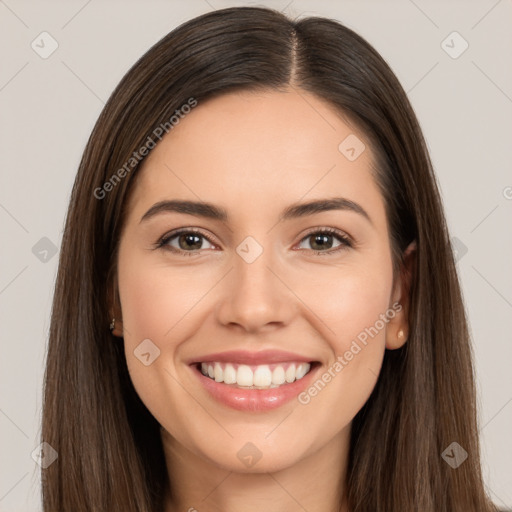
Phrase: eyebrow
[211,211]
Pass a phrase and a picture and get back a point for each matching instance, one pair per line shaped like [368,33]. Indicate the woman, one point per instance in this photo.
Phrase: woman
[311,350]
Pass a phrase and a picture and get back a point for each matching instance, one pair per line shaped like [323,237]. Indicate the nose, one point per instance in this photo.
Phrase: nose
[255,296]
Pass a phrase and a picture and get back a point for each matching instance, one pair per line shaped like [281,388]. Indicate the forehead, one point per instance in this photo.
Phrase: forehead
[257,148]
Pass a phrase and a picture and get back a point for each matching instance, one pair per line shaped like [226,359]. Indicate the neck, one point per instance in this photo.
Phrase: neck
[315,483]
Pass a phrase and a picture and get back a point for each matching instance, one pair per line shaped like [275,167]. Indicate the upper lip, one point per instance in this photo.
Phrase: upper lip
[254,358]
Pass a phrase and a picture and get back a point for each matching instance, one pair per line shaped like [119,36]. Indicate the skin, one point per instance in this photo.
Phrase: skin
[254,154]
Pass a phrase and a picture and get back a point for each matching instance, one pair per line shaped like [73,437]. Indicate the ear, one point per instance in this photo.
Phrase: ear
[114,307]
[397,331]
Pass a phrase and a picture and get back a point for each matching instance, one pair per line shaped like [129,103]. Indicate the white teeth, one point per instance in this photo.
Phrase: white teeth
[229,374]
[290,373]
[278,375]
[244,376]
[263,377]
[217,372]
[301,370]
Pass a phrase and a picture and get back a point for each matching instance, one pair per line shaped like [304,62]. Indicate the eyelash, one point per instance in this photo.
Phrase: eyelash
[346,242]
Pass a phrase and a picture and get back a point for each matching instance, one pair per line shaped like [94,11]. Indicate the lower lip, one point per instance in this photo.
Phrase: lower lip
[254,399]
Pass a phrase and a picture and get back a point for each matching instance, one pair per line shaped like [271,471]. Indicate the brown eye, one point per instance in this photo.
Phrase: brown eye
[185,241]
[190,241]
[323,240]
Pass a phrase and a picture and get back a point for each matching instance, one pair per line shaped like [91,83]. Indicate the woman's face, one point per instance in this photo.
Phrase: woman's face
[263,287]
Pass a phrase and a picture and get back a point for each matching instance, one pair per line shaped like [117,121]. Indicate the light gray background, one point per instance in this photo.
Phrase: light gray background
[48,108]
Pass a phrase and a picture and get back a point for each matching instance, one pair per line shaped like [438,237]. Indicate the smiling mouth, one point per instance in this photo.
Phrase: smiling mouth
[264,376]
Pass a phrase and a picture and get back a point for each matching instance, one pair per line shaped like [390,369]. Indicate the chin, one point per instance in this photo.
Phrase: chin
[255,457]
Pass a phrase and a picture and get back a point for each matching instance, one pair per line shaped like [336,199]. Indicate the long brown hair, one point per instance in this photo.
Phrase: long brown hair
[110,452]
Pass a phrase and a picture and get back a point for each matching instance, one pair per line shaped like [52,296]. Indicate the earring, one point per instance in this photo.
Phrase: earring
[400,334]
[112,324]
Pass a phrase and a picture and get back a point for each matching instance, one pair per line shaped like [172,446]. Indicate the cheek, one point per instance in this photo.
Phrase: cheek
[154,305]
[160,304]
[156,299]
[147,310]
[352,303]
[362,302]
[348,300]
